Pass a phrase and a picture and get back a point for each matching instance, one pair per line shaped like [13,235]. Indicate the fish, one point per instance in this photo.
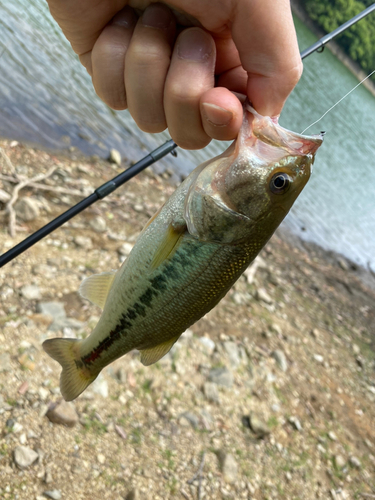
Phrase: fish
[191,251]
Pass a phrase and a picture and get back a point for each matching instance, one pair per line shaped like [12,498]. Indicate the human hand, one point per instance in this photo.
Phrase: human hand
[142,56]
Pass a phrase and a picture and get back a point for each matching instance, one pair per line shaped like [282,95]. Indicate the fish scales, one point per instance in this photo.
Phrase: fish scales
[192,251]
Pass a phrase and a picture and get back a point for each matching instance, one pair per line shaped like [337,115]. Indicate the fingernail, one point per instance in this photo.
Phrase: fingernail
[125,18]
[157,16]
[216,115]
[195,45]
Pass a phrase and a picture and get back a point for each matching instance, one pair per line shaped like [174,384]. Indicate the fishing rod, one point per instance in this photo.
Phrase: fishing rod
[158,153]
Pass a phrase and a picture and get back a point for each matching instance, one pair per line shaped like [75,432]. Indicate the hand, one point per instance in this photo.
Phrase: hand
[177,66]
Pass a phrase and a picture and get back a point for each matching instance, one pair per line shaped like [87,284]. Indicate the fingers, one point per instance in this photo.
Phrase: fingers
[146,65]
[191,73]
[107,62]
[268,51]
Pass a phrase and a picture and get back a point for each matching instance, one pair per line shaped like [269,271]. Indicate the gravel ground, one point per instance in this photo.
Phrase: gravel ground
[270,396]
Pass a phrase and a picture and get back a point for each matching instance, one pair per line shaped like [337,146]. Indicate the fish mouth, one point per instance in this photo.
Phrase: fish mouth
[269,131]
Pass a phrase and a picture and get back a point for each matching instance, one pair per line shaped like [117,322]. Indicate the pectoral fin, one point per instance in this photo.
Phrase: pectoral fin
[150,356]
[96,287]
[168,245]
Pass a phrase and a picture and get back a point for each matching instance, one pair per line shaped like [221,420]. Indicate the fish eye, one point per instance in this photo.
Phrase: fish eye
[280,183]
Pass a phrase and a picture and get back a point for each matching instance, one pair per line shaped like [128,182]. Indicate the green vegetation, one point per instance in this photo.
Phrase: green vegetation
[358,42]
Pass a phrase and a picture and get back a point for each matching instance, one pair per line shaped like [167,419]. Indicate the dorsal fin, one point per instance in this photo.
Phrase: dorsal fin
[95,288]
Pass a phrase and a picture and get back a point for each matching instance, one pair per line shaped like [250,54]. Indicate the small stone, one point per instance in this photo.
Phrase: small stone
[296,423]
[343,264]
[275,328]
[24,456]
[5,362]
[221,376]
[280,358]
[189,417]
[44,270]
[315,333]
[54,309]
[101,458]
[114,157]
[125,249]
[332,436]
[31,292]
[98,224]
[54,494]
[100,386]
[259,426]
[83,242]
[354,462]
[228,466]
[231,349]
[27,209]
[340,461]
[208,345]
[62,413]
[318,358]
[211,392]
[43,393]
[263,296]
[356,349]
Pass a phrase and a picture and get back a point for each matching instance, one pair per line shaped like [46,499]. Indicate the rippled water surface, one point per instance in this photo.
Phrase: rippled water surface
[47,97]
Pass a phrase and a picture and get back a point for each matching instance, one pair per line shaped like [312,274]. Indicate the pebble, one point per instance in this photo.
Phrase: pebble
[100,386]
[114,157]
[54,494]
[211,392]
[31,292]
[54,309]
[355,462]
[275,328]
[44,270]
[125,249]
[27,209]
[189,417]
[340,461]
[332,436]
[221,376]
[296,423]
[83,242]
[262,295]
[62,413]
[280,358]
[231,349]
[5,362]
[207,344]
[259,426]
[318,358]
[101,458]
[228,466]
[98,224]
[24,456]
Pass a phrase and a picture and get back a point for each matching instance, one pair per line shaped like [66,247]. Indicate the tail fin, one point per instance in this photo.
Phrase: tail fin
[73,379]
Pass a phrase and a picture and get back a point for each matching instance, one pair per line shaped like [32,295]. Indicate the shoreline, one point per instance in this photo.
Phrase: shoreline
[336,50]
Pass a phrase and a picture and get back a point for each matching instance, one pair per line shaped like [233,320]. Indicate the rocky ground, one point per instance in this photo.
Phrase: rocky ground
[270,396]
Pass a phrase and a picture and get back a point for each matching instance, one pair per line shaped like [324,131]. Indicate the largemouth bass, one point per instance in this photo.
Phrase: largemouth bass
[192,251]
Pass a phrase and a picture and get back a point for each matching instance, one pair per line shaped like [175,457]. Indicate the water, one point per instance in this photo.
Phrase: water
[47,97]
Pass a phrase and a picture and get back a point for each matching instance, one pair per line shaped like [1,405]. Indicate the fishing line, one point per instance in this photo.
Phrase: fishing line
[338,102]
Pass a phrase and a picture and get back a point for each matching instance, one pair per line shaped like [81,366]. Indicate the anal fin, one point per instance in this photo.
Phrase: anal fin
[152,355]
[95,288]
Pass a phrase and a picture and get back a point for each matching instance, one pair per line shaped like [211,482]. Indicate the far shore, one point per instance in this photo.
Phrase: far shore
[336,50]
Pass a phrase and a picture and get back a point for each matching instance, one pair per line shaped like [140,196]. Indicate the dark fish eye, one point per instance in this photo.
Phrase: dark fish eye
[280,183]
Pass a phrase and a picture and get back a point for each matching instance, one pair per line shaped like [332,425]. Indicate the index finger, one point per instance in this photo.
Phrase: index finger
[265,37]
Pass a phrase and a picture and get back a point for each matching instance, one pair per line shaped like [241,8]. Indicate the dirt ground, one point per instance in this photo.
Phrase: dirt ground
[269,396]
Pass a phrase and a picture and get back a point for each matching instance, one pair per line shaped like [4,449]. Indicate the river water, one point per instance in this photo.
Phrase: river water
[47,97]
